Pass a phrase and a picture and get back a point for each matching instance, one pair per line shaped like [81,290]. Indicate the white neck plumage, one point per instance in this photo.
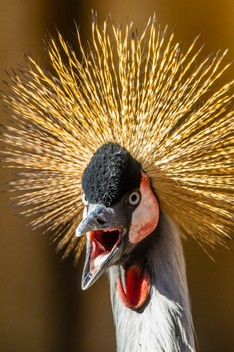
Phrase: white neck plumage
[165,324]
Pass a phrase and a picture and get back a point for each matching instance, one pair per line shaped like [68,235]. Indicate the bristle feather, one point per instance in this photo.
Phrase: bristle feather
[142,92]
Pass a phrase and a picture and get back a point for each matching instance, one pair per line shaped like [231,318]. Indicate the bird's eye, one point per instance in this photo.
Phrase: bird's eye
[84,199]
[134,198]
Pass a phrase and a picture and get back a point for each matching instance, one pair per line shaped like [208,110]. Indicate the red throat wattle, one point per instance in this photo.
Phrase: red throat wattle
[134,283]
[134,288]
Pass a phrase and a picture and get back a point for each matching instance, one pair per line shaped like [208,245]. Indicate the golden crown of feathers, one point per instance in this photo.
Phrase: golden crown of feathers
[142,92]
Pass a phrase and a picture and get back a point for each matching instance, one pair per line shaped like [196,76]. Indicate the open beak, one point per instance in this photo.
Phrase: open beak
[104,241]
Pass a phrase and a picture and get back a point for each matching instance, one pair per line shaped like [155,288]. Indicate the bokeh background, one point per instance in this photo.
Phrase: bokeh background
[42,308]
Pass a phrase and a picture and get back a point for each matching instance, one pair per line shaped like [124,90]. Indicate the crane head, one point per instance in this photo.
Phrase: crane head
[120,211]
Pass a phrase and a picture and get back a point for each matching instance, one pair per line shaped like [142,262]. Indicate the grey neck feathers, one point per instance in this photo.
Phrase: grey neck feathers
[165,324]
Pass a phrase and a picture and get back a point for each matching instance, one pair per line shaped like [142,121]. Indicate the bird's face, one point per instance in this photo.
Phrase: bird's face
[120,211]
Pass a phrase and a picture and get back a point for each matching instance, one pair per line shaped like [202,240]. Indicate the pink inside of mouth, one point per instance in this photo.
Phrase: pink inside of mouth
[102,242]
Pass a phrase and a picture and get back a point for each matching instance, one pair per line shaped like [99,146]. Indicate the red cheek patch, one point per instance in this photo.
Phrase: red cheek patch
[145,216]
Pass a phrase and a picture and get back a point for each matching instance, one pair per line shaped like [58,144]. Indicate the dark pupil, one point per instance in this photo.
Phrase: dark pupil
[133,198]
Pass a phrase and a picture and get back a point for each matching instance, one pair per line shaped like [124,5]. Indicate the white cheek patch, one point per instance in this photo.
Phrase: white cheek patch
[145,216]
[85,212]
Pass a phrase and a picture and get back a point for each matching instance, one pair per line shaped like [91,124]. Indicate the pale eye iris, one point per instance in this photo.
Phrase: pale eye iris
[134,198]
[84,200]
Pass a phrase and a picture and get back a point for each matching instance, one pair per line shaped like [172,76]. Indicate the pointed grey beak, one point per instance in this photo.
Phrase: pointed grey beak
[104,228]
[99,217]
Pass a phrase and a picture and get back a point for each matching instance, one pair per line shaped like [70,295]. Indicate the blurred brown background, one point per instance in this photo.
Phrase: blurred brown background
[42,308]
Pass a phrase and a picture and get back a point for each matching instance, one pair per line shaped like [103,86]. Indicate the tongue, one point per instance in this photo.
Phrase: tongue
[137,287]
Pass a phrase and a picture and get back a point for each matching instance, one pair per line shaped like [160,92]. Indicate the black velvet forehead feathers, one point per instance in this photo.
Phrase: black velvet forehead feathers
[111,173]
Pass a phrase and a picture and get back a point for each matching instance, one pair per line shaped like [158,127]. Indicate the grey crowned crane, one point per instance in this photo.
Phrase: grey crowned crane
[141,249]
[132,139]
